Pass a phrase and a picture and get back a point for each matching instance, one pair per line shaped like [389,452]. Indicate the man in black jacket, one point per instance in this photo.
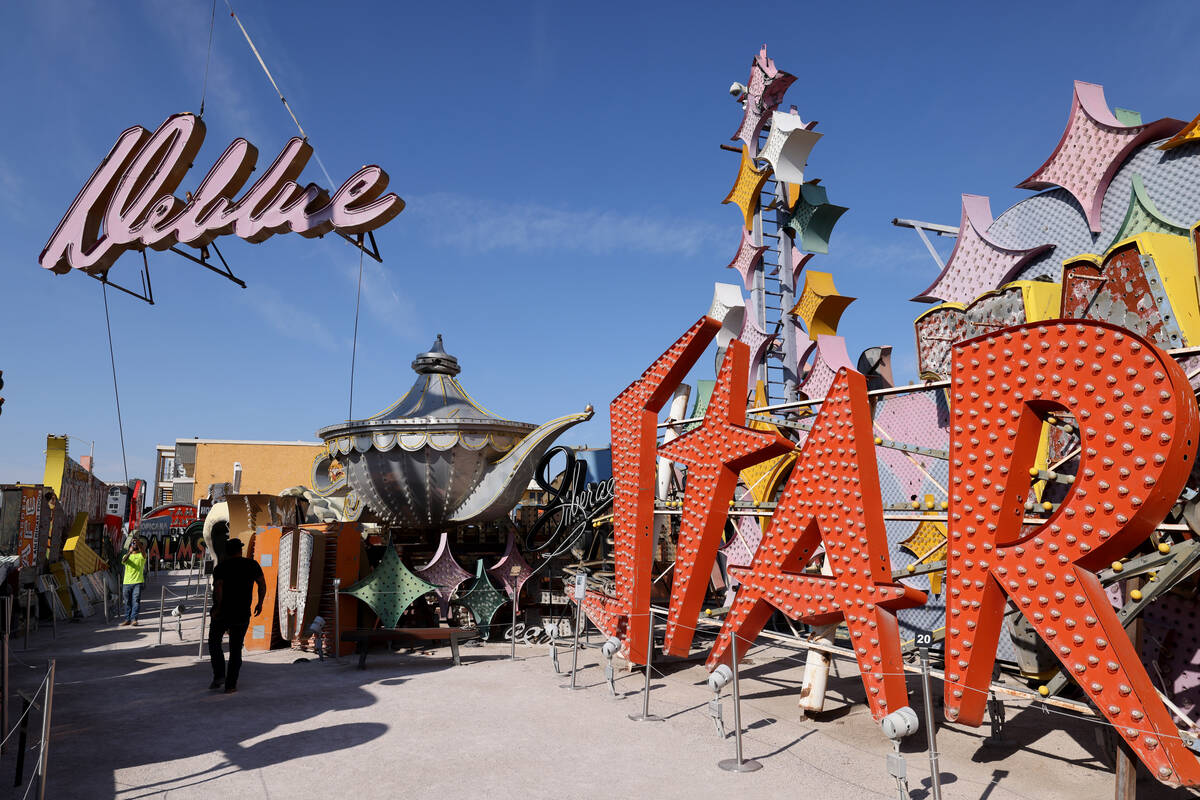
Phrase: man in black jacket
[233,578]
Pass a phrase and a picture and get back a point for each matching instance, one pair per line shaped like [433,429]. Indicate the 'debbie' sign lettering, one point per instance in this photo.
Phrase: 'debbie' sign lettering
[129,202]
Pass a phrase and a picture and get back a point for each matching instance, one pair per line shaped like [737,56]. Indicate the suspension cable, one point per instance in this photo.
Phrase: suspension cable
[354,346]
[212,23]
[116,394]
[271,78]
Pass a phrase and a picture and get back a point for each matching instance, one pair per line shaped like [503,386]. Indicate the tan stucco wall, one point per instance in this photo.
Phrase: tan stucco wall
[266,468]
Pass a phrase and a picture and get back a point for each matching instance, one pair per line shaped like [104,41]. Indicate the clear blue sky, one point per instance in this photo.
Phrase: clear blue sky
[563,182]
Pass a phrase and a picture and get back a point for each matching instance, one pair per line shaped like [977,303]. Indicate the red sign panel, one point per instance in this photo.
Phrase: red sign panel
[832,499]
[28,526]
[1139,426]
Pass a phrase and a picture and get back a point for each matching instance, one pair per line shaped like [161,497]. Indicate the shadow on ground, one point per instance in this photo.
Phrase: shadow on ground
[110,698]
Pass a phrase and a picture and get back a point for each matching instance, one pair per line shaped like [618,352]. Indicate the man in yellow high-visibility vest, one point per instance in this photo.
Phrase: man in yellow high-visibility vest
[135,576]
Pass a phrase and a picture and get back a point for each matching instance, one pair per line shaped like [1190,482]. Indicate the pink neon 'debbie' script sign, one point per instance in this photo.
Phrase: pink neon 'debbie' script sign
[129,202]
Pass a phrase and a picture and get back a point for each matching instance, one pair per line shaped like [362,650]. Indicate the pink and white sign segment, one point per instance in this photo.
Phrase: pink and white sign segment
[129,202]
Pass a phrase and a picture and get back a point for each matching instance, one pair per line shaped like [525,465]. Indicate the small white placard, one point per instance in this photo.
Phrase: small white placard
[258,632]
[580,586]
[265,559]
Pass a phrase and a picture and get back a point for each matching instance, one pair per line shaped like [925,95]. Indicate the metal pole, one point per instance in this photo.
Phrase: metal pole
[22,742]
[1125,767]
[512,650]
[203,620]
[44,757]
[162,606]
[575,652]
[935,776]
[28,613]
[738,764]
[337,619]
[8,607]
[646,716]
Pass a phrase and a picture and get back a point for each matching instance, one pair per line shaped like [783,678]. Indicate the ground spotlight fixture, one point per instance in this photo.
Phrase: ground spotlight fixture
[177,612]
[899,723]
[719,677]
[611,647]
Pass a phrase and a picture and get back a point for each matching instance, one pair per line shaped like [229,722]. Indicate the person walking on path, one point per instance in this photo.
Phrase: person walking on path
[233,578]
[135,577]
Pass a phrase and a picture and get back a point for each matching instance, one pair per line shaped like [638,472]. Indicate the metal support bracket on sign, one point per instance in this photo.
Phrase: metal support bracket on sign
[358,243]
[1170,325]
[921,227]
[147,295]
[202,260]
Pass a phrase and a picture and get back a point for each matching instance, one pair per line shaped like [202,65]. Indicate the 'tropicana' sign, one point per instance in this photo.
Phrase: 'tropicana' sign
[129,202]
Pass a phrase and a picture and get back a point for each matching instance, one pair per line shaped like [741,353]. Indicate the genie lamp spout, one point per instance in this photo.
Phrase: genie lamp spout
[507,477]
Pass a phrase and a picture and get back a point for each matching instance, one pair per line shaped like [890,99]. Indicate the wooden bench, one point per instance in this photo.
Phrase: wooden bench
[365,637]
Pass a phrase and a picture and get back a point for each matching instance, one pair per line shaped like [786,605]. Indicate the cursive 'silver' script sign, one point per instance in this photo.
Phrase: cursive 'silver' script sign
[129,202]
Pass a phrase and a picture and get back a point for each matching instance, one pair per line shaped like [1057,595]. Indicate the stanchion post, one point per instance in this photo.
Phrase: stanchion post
[737,764]
[935,776]
[44,756]
[512,650]
[104,591]
[203,621]
[337,619]
[22,743]
[8,609]
[162,607]
[1125,766]
[28,614]
[578,629]
[646,716]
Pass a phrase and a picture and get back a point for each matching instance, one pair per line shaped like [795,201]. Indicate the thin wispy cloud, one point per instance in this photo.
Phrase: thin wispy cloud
[291,321]
[533,227]
[10,193]
[381,299]
[186,26]
[908,256]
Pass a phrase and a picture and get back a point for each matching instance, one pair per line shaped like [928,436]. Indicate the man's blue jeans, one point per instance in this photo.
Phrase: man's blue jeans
[131,593]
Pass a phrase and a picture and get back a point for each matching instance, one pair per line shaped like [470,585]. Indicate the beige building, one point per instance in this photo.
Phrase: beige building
[185,470]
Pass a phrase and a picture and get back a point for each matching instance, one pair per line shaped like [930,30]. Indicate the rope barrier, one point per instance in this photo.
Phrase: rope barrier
[28,708]
[1045,705]
[771,714]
